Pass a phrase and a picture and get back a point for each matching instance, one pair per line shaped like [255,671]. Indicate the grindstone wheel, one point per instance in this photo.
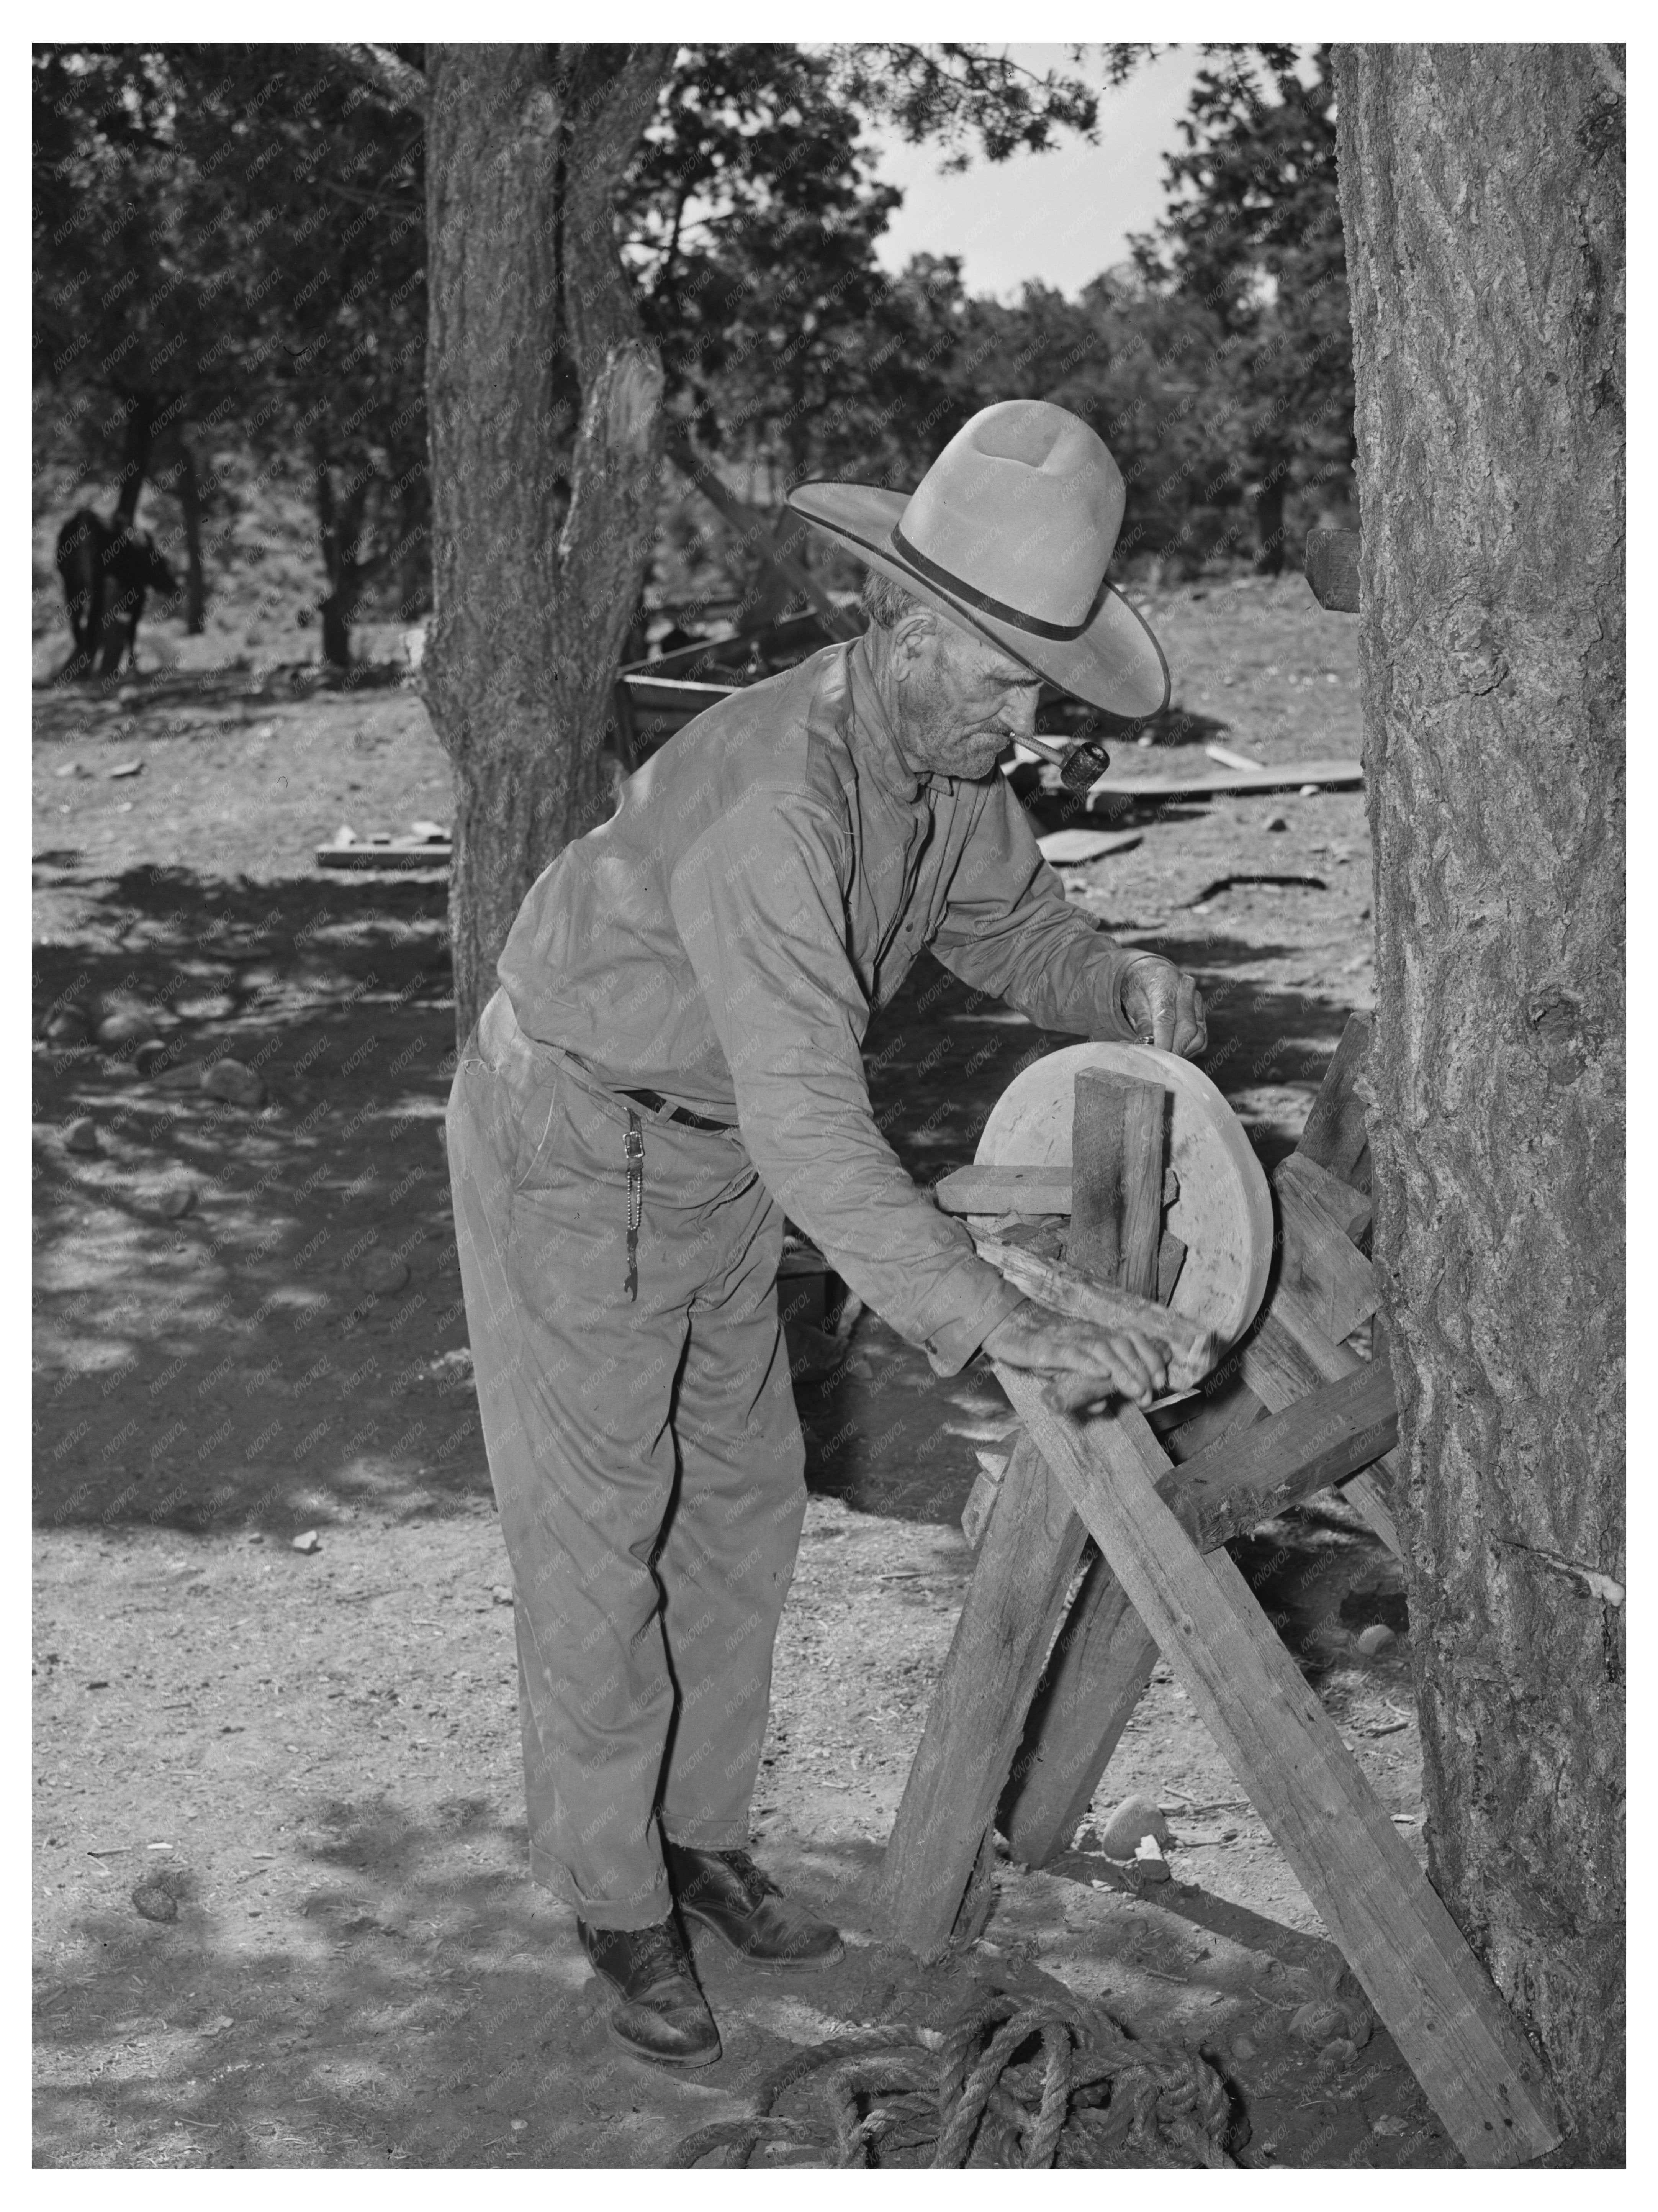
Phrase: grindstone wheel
[1223,1212]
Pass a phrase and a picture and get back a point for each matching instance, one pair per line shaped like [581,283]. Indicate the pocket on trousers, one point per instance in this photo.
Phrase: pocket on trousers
[537,1159]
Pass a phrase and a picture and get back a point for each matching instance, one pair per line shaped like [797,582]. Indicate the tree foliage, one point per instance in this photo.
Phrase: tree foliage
[230,246]
[1252,239]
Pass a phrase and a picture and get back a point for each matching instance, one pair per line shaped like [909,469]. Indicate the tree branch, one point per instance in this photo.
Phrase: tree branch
[389,74]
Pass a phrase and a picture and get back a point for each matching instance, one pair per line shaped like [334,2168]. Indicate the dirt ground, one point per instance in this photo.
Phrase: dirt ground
[248,1329]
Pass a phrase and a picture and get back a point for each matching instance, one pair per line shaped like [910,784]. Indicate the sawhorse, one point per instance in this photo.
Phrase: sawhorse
[1021,1727]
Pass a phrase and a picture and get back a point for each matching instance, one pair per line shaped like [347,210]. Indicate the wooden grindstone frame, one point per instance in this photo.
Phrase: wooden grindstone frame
[1033,1699]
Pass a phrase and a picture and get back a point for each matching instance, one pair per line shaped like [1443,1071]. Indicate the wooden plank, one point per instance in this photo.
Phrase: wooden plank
[401,856]
[1030,1550]
[1144,1147]
[1335,1136]
[1102,1659]
[1096,1674]
[1349,1208]
[1117,1145]
[1190,1348]
[1324,1268]
[982,1498]
[770,537]
[1171,1258]
[1289,1355]
[674,695]
[1328,1288]
[1206,783]
[1005,1190]
[1325,1437]
[1473,2064]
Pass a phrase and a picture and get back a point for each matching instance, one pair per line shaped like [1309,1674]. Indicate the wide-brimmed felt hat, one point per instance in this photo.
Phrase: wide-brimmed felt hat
[1010,532]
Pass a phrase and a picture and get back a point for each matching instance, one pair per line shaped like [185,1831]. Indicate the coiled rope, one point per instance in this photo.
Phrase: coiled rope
[1090,2096]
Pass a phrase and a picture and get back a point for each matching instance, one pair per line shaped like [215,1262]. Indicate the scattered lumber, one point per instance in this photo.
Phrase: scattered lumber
[1218,783]
[1068,848]
[404,853]
[1227,758]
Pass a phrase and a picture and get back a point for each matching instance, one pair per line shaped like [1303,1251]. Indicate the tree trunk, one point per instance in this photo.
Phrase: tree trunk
[190,502]
[137,436]
[337,535]
[1268,505]
[1482,192]
[532,594]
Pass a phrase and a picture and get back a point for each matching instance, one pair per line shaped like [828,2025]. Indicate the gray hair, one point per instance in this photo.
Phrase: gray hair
[885,603]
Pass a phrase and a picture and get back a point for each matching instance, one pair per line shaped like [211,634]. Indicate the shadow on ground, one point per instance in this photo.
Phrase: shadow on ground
[238,1361]
[422,2004]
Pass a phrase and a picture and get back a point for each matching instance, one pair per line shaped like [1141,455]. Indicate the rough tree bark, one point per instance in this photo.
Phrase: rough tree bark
[1482,192]
[537,559]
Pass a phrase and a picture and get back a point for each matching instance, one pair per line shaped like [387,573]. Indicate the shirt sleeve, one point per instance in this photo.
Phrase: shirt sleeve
[760,909]
[1009,929]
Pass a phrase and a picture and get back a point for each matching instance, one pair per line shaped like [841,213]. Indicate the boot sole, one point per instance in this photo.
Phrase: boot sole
[689,2059]
[766,1966]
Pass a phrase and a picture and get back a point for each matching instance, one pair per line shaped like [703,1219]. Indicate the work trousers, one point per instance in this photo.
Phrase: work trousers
[644,1454]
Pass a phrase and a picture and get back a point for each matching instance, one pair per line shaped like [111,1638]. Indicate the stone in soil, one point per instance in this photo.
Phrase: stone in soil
[1135,1817]
[1375,1638]
[383,1273]
[82,1134]
[230,1080]
[125,1025]
[155,1899]
[178,1200]
[150,1057]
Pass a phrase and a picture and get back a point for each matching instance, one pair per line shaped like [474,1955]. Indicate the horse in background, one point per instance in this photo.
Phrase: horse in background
[108,569]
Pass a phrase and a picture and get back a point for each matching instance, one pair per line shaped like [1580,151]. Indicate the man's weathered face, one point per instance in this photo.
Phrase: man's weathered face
[961,699]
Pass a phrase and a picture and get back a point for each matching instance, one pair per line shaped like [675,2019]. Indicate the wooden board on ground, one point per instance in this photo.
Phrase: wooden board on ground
[403,856]
[1071,848]
[1451,2027]
[1218,783]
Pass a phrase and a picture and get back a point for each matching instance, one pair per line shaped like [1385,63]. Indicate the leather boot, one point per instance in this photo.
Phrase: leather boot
[726,1892]
[661,2013]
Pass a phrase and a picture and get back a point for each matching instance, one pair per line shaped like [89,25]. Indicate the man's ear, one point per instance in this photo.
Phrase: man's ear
[911,634]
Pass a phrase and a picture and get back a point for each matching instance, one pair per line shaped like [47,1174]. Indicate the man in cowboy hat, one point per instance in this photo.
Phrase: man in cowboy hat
[671,1065]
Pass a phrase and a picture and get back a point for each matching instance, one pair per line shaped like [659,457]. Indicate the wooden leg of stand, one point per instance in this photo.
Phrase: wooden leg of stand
[1101,1665]
[1452,2030]
[1031,1551]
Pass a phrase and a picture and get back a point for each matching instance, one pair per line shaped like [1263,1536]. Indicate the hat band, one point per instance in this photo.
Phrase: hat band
[934,573]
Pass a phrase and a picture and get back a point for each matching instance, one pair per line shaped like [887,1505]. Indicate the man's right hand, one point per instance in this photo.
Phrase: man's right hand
[1087,1365]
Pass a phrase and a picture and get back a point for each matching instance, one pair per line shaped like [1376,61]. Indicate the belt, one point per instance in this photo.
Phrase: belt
[659,1104]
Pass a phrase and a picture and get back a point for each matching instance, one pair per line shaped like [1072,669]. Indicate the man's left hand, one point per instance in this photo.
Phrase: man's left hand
[1162,1005]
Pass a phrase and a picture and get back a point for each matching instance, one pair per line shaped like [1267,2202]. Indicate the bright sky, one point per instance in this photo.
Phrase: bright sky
[1062,216]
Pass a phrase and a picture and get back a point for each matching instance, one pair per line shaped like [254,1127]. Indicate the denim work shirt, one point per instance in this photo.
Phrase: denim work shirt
[766,884]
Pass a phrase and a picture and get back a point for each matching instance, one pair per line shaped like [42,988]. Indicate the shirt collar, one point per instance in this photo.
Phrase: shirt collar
[874,745]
